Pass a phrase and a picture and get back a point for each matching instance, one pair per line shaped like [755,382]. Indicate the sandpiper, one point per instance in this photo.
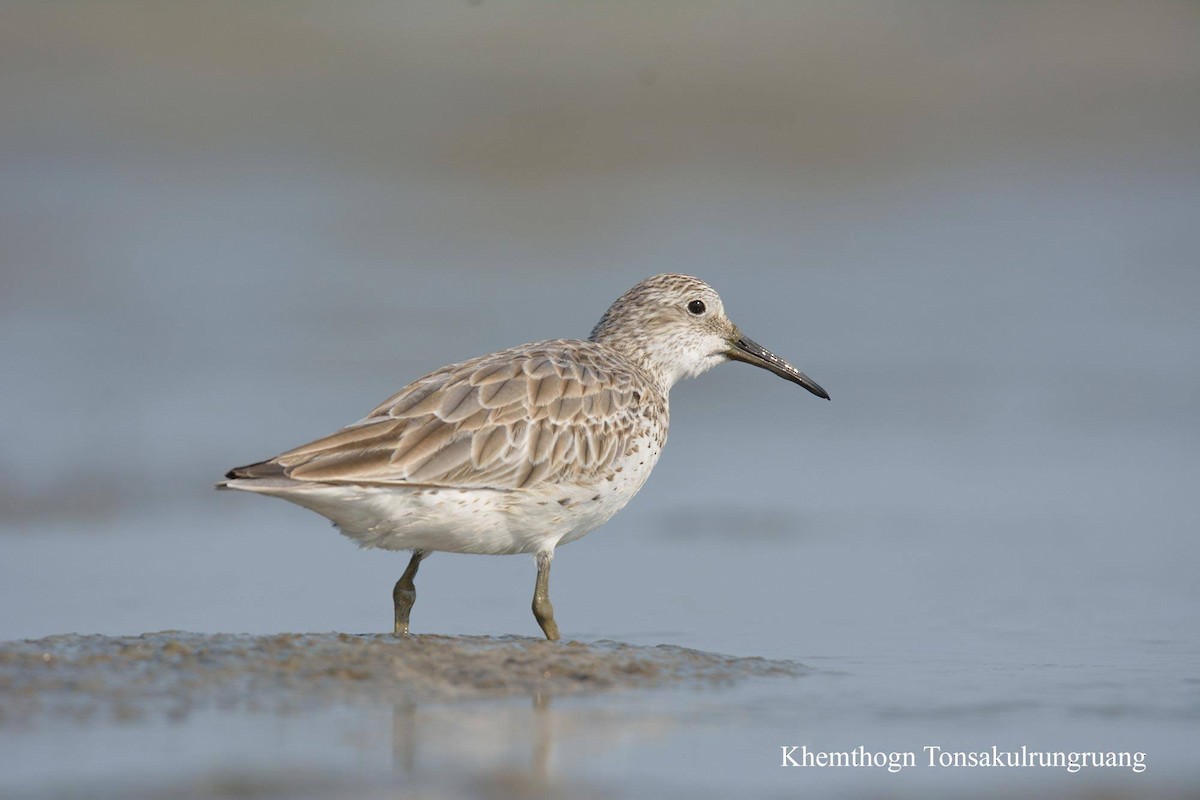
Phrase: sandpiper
[518,451]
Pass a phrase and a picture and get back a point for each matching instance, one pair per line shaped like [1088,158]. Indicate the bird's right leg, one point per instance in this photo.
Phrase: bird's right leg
[405,593]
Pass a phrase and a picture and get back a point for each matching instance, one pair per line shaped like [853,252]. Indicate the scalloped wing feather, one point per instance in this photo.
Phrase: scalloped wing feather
[563,411]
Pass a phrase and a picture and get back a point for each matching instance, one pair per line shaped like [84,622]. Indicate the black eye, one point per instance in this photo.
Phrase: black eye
[696,307]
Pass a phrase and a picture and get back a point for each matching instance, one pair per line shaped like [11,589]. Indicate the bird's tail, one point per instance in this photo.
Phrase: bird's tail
[251,472]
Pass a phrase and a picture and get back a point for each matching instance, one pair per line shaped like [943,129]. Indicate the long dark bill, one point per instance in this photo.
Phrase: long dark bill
[750,351]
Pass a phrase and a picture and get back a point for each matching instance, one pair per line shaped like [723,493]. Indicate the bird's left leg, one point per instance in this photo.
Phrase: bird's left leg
[543,611]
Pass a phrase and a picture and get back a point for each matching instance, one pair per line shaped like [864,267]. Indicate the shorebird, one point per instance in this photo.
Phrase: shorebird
[518,451]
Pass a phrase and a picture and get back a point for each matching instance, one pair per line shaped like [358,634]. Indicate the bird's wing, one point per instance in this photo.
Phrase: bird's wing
[561,411]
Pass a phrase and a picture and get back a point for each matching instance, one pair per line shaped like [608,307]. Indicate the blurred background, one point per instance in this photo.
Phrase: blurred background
[230,227]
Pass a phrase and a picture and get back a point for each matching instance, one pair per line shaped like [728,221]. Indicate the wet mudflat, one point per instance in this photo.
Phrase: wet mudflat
[176,672]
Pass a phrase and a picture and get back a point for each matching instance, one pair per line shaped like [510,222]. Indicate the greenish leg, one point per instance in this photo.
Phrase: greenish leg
[543,611]
[405,593]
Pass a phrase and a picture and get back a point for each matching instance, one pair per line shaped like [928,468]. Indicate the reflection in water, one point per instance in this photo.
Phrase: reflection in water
[516,741]
[404,737]
[543,740]
[527,746]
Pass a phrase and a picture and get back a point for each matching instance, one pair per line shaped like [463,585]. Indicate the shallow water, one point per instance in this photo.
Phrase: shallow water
[976,230]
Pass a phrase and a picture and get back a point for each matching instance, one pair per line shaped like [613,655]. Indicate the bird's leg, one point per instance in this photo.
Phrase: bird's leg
[543,611]
[405,593]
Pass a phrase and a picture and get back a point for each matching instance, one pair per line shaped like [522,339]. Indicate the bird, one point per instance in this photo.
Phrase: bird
[518,451]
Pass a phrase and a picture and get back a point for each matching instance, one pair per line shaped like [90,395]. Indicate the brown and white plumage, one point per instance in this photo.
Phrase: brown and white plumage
[553,412]
[523,449]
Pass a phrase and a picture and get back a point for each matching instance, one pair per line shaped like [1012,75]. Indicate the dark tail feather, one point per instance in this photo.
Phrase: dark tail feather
[263,469]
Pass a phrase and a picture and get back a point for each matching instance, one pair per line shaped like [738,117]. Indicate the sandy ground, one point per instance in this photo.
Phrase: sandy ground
[173,672]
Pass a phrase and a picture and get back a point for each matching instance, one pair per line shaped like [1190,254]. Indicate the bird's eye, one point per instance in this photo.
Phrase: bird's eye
[696,307]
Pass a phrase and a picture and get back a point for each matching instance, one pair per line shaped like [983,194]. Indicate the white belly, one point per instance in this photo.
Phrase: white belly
[486,521]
